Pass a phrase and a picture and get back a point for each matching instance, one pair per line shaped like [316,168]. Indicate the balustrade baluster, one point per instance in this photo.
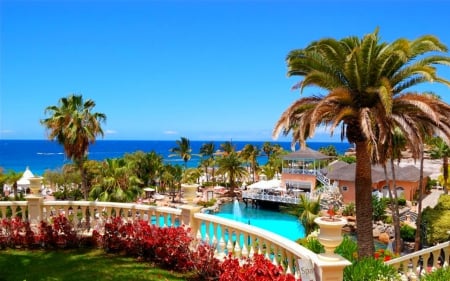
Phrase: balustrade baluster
[244,251]
[230,245]
[221,246]
[215,235]
[237,246]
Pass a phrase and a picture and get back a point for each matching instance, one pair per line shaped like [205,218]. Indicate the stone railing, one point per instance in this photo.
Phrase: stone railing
[415,264]
[243,240]
[228,236]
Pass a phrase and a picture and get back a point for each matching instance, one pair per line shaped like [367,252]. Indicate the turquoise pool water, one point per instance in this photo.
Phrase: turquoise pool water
[274,221]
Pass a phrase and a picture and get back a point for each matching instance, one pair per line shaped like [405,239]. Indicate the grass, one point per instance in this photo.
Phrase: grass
[79,265]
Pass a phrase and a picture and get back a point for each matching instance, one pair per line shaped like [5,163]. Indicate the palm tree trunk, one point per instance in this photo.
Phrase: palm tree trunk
[417,244]
[80,164]
[395,211]
[445,172]
[363,201]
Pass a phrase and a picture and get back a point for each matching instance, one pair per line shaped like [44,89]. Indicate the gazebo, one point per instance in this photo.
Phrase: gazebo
[24,182]
[301,169]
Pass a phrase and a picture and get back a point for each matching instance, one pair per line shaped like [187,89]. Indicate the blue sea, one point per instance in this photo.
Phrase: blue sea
[41,155]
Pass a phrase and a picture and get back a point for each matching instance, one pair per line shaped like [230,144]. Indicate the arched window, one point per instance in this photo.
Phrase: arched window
[400,192]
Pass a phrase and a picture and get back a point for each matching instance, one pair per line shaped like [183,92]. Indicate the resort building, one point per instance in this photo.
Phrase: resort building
[302,169]
[407,180]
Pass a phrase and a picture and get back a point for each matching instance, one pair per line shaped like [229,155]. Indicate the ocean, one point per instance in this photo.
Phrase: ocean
[41,155]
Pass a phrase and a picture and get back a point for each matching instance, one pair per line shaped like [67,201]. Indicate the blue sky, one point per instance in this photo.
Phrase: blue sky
[160,70]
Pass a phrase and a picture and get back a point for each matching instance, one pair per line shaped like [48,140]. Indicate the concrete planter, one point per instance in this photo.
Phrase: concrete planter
[330,235]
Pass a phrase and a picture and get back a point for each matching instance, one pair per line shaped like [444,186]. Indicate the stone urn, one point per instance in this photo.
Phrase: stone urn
[189,192]
[35,185]
[330,235]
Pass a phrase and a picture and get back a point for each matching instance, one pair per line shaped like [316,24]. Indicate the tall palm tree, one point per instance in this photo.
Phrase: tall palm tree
[207,152]
[73,124]
[231,166]
[366,83]
[440,149]
[250,153]
[183,150]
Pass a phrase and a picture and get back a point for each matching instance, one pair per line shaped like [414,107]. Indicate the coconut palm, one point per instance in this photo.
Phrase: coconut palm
[73,124]
[183,150]
[366,82]
[230,165]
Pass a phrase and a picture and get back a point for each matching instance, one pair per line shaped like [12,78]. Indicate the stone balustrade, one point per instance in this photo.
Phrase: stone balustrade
[228,236]
[425,260]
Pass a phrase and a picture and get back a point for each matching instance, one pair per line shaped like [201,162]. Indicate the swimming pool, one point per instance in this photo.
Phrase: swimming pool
[280,223]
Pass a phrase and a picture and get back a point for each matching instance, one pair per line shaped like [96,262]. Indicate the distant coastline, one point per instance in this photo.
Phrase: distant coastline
[40,155]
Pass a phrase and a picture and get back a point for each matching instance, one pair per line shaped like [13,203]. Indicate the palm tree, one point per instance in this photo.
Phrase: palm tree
[366,82]
[117,182]
[250,153]
[207,151]
[306,211]
[73,124]
[183,150]
[12,177]
[440,149]
[227,147]
[231,166]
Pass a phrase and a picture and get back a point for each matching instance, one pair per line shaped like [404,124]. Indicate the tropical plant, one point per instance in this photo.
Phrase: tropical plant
[207,151]
[307,210]
[250,153]
[117,182]
[440,149]
[367,82]
[12,177]
[230,165]
[183,150]
[370,269]
[73,124]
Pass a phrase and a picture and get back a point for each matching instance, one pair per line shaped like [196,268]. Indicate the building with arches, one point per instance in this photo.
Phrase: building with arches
[407,180]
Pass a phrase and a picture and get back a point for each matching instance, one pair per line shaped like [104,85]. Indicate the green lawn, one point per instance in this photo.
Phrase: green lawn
[76,265]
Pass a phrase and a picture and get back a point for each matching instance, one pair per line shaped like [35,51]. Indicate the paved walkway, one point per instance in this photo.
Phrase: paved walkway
[431,199]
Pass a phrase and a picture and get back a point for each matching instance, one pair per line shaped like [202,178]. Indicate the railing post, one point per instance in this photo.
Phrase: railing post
[331,270]
[34,208]
[187,217]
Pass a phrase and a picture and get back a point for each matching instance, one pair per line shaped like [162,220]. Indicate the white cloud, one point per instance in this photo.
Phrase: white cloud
[169,132]
[110,132]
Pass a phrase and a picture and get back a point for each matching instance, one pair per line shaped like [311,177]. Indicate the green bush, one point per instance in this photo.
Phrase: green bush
[311,243]
[369,269]
[401,201]
[349,209]
[348,249]
[407,233]
[441,274]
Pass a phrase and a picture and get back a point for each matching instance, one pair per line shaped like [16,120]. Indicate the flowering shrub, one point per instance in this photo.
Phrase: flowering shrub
[383,255]
[170,247]
[204,265]
[59,234]
[256,268]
